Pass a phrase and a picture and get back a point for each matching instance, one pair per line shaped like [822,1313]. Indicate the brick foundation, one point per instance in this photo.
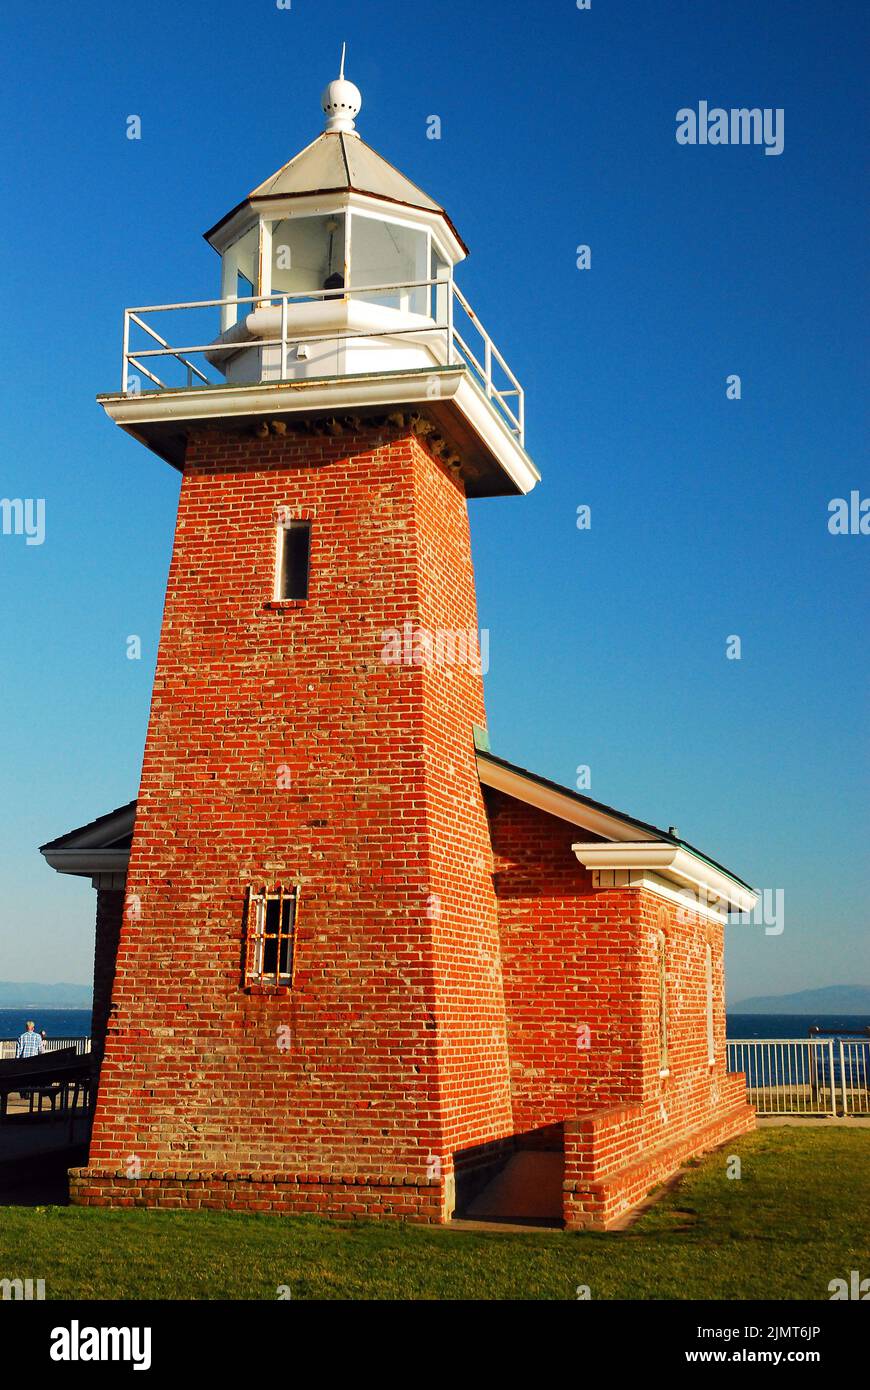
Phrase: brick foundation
[612,1159]
[341,1196]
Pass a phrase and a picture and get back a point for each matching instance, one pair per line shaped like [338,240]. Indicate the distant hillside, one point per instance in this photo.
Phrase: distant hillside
[26,994]
[835,999]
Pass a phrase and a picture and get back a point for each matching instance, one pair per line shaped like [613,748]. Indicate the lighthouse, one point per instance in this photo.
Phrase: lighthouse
[348,960]
[306,991]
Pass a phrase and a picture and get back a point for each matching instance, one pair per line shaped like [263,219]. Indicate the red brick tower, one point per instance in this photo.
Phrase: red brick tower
[306,1013]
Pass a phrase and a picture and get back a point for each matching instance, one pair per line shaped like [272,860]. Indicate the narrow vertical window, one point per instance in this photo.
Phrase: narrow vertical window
[661,966]
[270,937]
[711,1047]
[294,554]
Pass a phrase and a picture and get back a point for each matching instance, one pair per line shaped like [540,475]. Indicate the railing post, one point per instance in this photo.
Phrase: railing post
[843,1077]
[831,1074]
[450,329]
[125,366]
[283,375]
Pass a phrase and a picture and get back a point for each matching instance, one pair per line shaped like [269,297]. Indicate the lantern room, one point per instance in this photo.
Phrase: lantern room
[337,264]
[336,295]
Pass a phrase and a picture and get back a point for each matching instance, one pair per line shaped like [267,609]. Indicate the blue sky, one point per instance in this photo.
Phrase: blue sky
[709,516]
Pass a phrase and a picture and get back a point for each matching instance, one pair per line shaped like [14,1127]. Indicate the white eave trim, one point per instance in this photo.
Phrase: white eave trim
[673,871]
[335,393]
[275,208]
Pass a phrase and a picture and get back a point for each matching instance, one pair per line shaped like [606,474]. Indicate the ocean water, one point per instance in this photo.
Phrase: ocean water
[58,1023]
[76,1023]
[793,1025]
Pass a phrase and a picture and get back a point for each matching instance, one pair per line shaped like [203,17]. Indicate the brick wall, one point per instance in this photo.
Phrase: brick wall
[397,1053]
[572,971]
[581,986]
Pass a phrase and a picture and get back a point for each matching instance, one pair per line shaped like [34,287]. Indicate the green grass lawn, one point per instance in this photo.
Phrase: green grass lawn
[796,1218]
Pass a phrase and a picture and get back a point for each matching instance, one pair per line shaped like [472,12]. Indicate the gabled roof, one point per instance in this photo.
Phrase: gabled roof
[581,810]
[113,830]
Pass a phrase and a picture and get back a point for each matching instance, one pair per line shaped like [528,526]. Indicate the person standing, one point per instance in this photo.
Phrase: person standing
[30,1043]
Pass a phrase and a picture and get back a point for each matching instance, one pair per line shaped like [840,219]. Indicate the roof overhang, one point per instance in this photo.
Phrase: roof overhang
[668,869]
[99,851]
[554,801]
[630,852]
[494,463]
[92,864]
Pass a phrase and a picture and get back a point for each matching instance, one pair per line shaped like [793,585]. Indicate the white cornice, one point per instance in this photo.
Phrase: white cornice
[339,393]
[696,883]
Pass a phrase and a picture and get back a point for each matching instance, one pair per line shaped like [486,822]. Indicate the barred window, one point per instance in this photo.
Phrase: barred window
[271,936]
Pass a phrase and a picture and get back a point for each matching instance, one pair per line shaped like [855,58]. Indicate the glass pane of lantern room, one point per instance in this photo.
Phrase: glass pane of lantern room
[308,254]
[440,270]
[240,275]
[388,253]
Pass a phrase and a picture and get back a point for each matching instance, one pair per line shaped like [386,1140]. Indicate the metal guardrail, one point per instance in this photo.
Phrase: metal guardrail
[81,1045]
[456,346]
[804,1076]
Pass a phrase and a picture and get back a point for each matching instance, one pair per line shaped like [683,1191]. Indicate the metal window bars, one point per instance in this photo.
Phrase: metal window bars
[270,926]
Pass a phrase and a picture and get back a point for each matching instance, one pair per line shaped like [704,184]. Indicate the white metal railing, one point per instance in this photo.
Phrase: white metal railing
[804,1076]
[492,374]
[81,1045]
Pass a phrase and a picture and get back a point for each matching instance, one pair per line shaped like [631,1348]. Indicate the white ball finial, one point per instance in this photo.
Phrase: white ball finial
[341,101]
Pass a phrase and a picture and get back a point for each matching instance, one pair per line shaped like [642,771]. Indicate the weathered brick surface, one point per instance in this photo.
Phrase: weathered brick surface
[397,1051]
[614,1157]
[580,967]
[571,963]
[453,959]
[345,1195]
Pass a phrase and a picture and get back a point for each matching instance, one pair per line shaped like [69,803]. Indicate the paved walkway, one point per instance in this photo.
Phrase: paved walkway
[35,1153]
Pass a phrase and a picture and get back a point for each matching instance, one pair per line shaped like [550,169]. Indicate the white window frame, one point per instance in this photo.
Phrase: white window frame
[411,225]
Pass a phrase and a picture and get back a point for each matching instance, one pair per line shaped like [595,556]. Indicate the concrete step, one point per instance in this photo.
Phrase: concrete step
[528,1188]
